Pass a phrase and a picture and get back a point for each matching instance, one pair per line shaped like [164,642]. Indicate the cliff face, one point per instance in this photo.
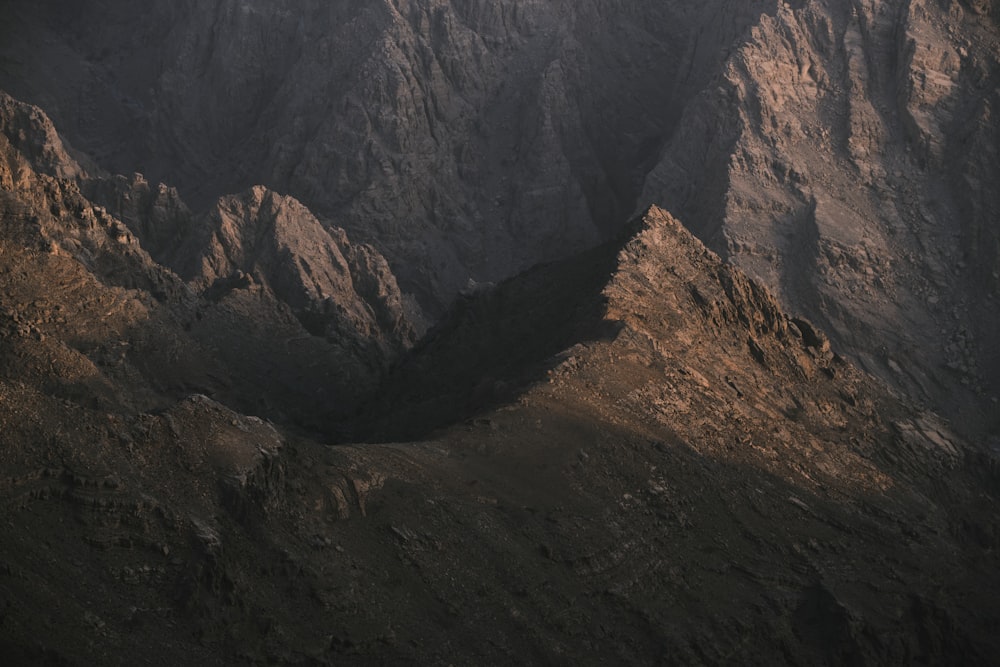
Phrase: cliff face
[840,159]
[259,237]
[632,455]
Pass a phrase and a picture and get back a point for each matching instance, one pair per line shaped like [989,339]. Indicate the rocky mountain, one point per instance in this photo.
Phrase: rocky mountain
[463,139]
[841,152]
[261,237]
[651,463]
[841,158]
[355,332]
[298,327]
[458,138]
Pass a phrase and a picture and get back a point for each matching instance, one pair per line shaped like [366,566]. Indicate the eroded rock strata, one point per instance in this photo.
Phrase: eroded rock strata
[840,160]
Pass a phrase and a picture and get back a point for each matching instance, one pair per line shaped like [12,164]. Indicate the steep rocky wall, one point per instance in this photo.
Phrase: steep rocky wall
[339,289]
[658,464]
[840,158]
[463,139]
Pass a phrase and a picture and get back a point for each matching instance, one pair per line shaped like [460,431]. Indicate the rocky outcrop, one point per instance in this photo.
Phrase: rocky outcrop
[337,289]
[627,454]
[41,184]
[155,213]
[275,316]
[682,409]
[31,142]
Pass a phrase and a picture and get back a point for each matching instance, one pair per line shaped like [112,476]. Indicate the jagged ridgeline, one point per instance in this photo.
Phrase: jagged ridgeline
[359,332]
[632,455]
[253,300]
[840,152]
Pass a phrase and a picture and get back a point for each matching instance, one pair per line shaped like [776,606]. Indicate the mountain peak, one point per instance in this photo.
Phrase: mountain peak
[29,133]
[664,267]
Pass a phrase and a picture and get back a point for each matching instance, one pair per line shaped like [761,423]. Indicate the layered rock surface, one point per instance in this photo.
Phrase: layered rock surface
[631,454]
[464,139]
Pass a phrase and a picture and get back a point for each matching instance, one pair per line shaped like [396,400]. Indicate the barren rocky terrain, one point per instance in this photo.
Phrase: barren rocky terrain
[842,152]
[407,359]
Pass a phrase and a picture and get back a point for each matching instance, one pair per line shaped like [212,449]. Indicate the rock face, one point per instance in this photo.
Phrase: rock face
[282,301]
[631,453]
[31,144]
[276,241]
[464,140]
[839,157]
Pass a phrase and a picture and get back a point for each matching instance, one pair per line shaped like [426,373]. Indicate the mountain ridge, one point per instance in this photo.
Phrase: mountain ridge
[685,466]
[88,245]
[227,439]
[847,140]
[838,152]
